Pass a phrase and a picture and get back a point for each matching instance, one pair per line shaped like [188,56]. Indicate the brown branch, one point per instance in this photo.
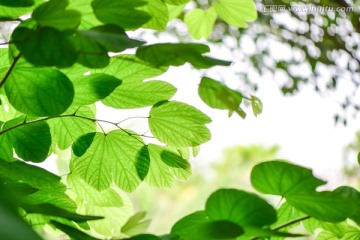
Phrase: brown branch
[11,68]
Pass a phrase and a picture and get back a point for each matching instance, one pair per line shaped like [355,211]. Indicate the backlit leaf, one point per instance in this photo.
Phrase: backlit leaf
[217,95]
[200,23]
[136,94]
[159,14]
[92,88]
[256,105]
[165,166]
[239,207]
[54,14]
[178,124]
[177,54]
[39,91]
[116,157]
[123,13]
[177,2]
[282,178]
[235,12]
[65,131]
[72,232]
[136,224]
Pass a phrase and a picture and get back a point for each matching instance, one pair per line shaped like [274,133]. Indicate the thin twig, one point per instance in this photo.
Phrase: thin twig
[11,68]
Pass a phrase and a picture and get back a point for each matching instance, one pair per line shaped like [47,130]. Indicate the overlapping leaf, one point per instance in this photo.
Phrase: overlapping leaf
[123,13]
[177,54]
[39,91]
[235,12]
[178,124]
[136,94]
[54,14]
[165,166]
[159,14]
[217,95]
[30,141]
[117,157]
[176,2]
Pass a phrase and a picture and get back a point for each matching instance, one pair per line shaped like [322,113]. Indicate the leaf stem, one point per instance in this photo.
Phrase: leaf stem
[11,68]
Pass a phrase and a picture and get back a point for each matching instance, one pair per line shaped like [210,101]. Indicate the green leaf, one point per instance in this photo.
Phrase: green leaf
[197,226]
[29,174]
[256,105]
[217,95]
[177,54]
[337,229]
[165,166]
[6,152]
[51,210]
[111,203]
[136,94]
[242,208]
[324,206]
[118,157]
[178,124]
[287,213]
[17,3]
[159,14]
[176,2]
[235,12]
[282,178]
[45,46]
[200,23]
[88,18]
[352,233]
[39,91]
[54,14]
[66,130]
[144,237]
[91,53]
[111,37]
[353,194]
[93,88]
[130,68]
[31,142]
[136,224]
[123,13]
[175,10]
[72,232]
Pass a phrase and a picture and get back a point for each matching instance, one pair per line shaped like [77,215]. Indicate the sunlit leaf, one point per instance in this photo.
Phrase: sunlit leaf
[39,91]
[93,88]
[177,54]
[200,23]
[353,194]
[116,157]
[175,10]
[178,124]
[54,14]
[177,2]
[136,224]
[159,14]
[235,12]
[282,178]
[136,94]
[72,232]
[240,207]
[287,213]
[66,130]
[165,166]
[256,105]
[123,13]
[217,95]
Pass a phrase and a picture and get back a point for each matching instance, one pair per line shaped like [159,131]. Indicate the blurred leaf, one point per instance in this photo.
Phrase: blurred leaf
[116,157]
[242,208]
[136,224]
[165,166]
[144,237]
[177,2]
[123,13]
[235,12]
[256,105]
[73,233]
[197,226]
[178,124]
[54,14]
[217,95]
[17,3]
[177,54]
[175,10]
[136,94]
[39,91]
[282,178]
[200,23]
